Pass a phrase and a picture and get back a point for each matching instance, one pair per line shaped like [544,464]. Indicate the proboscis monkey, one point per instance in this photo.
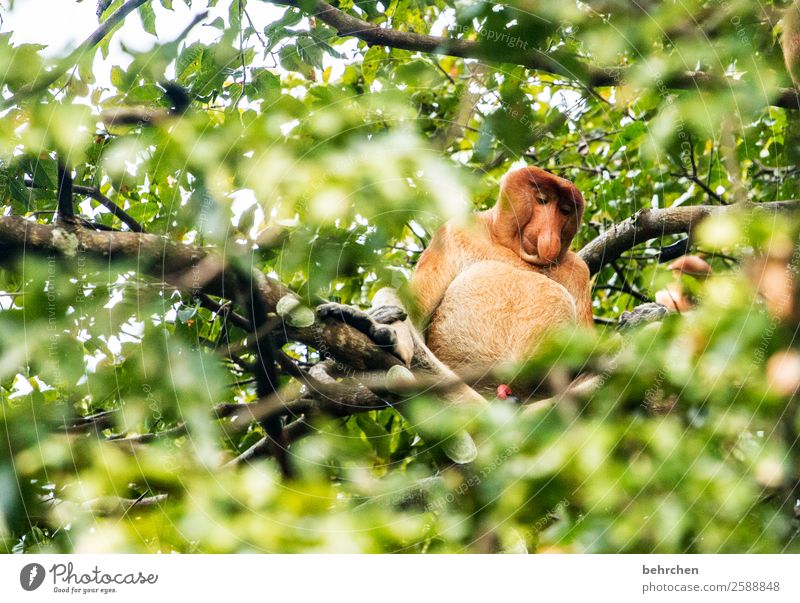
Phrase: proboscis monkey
[491,290]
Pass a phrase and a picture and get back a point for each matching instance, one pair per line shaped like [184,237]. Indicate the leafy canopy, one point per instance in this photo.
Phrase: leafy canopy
[327,163]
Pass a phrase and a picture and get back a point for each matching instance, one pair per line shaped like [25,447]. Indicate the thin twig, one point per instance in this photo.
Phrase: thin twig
[94,193]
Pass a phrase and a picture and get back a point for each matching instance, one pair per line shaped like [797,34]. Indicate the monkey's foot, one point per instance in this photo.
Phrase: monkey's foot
[645,313]
[372,324]
[386,315]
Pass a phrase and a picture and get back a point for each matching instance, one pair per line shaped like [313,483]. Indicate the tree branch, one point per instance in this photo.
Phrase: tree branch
[192,269]
[115,209]
[94,193]
[556,63]
[647,224]
[111,506]
[348,25]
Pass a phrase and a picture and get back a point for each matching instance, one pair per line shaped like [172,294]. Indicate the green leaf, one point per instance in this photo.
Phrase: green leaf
[110,9]
[218,23]
[277,30]
[376,434]
[146,95]
[288,19]
[290,58]
[189,62]
[310,51]
[143,212]
[235,15]
[86,67]
[148,17]
[372,60]
[266,85]
[117,76]
[186,313]
[12,189]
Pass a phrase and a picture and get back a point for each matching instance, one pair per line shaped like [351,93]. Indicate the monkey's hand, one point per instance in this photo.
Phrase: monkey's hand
[371,323]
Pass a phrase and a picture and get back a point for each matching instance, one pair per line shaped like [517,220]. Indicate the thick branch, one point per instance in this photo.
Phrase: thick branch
[647,224]
[192,269]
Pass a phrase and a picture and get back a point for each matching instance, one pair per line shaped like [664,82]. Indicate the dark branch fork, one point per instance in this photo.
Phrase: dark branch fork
[94,193]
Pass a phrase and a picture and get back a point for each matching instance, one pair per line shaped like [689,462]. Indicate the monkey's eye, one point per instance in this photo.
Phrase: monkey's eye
[565,210]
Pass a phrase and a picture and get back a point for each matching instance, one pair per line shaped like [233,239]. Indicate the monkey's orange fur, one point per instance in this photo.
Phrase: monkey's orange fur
[491,290]
[790,41]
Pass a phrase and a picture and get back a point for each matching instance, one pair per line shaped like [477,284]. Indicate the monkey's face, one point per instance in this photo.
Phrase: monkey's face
[537,215]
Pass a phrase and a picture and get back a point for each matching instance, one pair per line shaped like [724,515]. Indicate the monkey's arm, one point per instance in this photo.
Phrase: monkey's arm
[583,301]
[434,272]
[790,40]
[573,274]
[436,269]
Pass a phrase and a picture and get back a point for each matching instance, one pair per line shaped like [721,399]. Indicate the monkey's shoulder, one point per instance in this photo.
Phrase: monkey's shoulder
[471,237]
[465,229]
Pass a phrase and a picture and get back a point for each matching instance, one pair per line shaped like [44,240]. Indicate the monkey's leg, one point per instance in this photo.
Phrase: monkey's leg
[399,336]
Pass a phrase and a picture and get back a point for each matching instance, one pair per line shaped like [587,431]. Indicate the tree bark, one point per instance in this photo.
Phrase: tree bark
[647,224]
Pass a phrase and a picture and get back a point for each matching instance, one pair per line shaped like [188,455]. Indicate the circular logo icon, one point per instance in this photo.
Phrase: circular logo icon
[31,576]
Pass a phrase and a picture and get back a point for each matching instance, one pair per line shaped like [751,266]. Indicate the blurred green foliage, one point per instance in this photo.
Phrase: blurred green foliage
[355,154]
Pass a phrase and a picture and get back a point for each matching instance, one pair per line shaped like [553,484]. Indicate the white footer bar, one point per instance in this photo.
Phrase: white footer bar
[400,579]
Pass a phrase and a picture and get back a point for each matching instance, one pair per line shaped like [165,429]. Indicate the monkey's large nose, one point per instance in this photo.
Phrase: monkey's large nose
[548,246]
